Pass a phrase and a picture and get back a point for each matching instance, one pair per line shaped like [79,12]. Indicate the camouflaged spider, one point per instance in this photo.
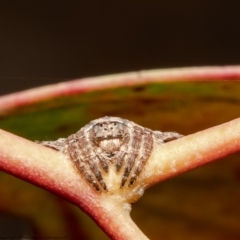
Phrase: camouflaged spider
[110,141]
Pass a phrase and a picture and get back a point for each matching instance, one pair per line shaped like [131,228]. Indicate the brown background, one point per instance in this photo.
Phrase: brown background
[46,41]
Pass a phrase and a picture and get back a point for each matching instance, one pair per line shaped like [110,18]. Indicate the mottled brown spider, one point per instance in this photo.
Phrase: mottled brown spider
[110,141]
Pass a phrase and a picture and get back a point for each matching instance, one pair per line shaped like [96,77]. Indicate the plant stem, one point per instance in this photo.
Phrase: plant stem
[192,151]
[49,169]
[27,97]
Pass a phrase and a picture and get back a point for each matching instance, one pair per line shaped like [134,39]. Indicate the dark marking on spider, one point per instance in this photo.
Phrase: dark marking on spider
[110,141]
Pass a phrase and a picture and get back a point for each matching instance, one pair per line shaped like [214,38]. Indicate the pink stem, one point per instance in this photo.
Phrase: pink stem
[48,169]
[118,80]
[192,151]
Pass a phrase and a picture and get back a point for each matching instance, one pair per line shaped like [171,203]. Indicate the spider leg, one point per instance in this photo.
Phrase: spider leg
[86,161]
[103,162]
[120,157]
[122,153]
[84,169]
[163,137]
[56,145]
[146,149]
[135,142]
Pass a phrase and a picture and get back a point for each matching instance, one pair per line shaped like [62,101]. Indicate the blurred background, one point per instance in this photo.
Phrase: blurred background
[47,41]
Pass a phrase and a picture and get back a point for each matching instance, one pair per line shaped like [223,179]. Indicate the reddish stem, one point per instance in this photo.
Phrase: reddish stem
[117,80]
[192,151]
[48,169]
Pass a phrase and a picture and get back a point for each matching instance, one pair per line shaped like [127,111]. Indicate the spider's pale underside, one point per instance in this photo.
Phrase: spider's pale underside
[110,141]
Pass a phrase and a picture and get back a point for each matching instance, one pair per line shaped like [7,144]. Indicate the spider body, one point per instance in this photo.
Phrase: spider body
[110,141]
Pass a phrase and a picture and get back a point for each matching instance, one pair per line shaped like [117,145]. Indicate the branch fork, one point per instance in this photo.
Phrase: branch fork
[48,169]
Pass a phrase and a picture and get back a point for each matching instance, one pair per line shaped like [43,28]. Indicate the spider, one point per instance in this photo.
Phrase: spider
[110,141]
